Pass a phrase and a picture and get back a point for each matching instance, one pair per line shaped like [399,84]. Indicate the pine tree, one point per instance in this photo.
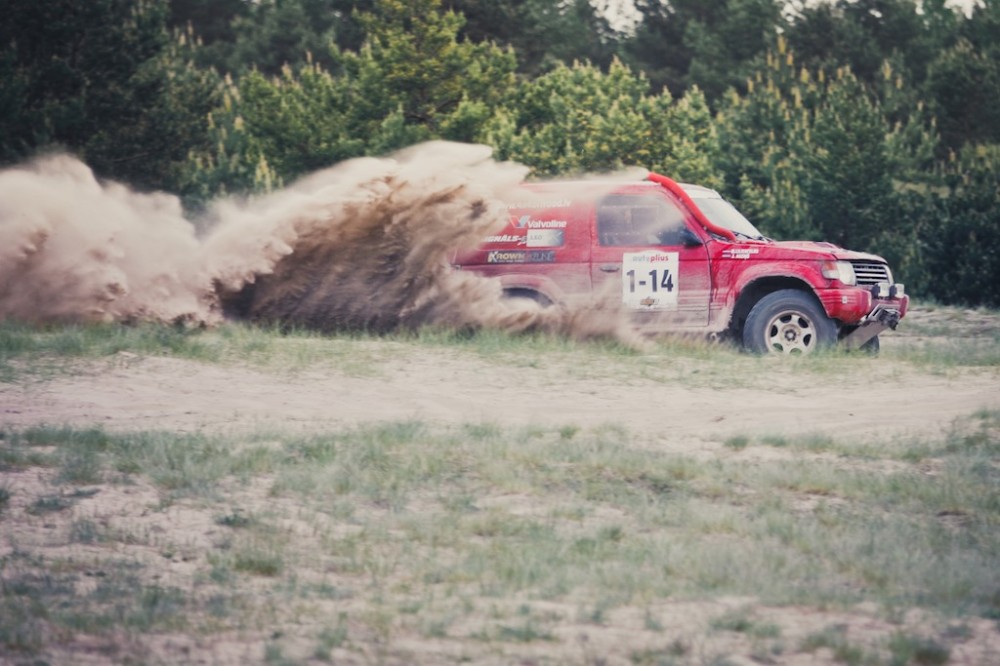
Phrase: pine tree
[412,80]
[578,119]
[103,79]
[821,156]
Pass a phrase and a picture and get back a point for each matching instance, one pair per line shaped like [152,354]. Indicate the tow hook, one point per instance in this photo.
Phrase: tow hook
[889,318]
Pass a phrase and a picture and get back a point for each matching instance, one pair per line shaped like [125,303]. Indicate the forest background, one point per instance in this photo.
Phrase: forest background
[874,124]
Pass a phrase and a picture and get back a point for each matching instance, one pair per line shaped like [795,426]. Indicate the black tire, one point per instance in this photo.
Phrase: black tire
[788,321]
[528,294]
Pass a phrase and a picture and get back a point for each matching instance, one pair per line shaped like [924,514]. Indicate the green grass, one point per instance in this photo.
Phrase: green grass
[41,352]
[28,352]
[413,522]
[486,539]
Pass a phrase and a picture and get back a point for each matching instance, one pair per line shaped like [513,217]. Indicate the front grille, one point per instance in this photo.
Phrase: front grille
[869,272]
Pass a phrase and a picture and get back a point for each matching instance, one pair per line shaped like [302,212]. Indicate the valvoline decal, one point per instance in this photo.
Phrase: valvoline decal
[527,222]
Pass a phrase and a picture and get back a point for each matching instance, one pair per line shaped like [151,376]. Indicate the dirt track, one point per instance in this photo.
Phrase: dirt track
[682,402]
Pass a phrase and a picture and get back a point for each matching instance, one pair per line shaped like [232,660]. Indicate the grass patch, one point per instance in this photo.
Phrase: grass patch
[737,442]
[486,540]
[49,347]
[257,560]
[844,651]
[237,519]
[40,609]
[742,621]
[410,519]
[43,351]
[920,650]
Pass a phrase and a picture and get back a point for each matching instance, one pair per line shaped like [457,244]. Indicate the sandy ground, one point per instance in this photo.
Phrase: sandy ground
[876,399]
[678,410]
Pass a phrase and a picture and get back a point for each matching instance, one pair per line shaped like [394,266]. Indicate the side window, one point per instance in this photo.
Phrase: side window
[634,219]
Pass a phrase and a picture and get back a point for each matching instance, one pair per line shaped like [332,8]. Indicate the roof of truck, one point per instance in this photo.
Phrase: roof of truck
[699,191]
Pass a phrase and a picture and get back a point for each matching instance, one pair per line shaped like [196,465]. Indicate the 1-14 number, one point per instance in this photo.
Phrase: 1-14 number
[666,281]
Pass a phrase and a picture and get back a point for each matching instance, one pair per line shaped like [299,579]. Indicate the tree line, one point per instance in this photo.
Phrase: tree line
[874,124]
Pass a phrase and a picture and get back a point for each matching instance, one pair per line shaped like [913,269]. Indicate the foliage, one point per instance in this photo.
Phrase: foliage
[238,36]
[870,123]
[543,33]
[964,82]
[964,253]
[866,33]
[684,43]
[950,58]
[818,156]
[269,129]
[413,79]
[103,79]
[552,33]
[414,65]
[579,119]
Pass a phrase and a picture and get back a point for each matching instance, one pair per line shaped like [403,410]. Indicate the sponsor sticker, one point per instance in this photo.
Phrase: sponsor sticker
[505,238]
[546,237]
[739,252]
[650,280]
[542,203]
[525,222]
[520,256]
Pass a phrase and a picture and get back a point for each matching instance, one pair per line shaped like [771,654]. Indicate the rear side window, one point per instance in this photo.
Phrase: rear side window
[635,219]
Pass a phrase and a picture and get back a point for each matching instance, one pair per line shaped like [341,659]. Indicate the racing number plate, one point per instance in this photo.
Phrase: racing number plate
[649,280]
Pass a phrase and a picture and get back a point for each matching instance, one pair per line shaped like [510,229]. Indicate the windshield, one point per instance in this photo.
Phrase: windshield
[724,214]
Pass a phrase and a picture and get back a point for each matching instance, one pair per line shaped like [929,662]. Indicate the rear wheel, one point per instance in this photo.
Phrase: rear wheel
[528,294]
[788,322]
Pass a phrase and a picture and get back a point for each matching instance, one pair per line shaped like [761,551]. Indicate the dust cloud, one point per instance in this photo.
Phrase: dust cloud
[364,245]
[73,249]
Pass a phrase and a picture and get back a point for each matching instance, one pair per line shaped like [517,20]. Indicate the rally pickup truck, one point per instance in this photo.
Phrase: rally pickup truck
[685,260]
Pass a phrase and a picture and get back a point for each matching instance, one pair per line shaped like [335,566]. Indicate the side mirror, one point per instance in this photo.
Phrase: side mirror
[690,238]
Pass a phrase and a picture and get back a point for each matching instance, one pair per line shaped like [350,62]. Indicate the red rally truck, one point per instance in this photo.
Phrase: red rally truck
[684,260]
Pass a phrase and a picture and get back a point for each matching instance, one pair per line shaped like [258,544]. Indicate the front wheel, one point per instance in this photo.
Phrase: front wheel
[788,322]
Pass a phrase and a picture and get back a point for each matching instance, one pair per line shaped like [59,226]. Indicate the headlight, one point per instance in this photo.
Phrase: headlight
[840,270]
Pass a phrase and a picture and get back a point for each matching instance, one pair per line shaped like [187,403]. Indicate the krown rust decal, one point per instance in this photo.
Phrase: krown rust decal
[520,257]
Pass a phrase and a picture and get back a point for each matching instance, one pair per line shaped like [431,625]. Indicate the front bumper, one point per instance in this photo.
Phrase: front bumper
[882,317]
[866,312]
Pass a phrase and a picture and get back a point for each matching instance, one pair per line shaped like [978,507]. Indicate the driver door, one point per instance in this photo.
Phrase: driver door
[639,251]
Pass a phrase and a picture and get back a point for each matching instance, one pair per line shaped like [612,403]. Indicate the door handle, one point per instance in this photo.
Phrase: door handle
[610,268]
